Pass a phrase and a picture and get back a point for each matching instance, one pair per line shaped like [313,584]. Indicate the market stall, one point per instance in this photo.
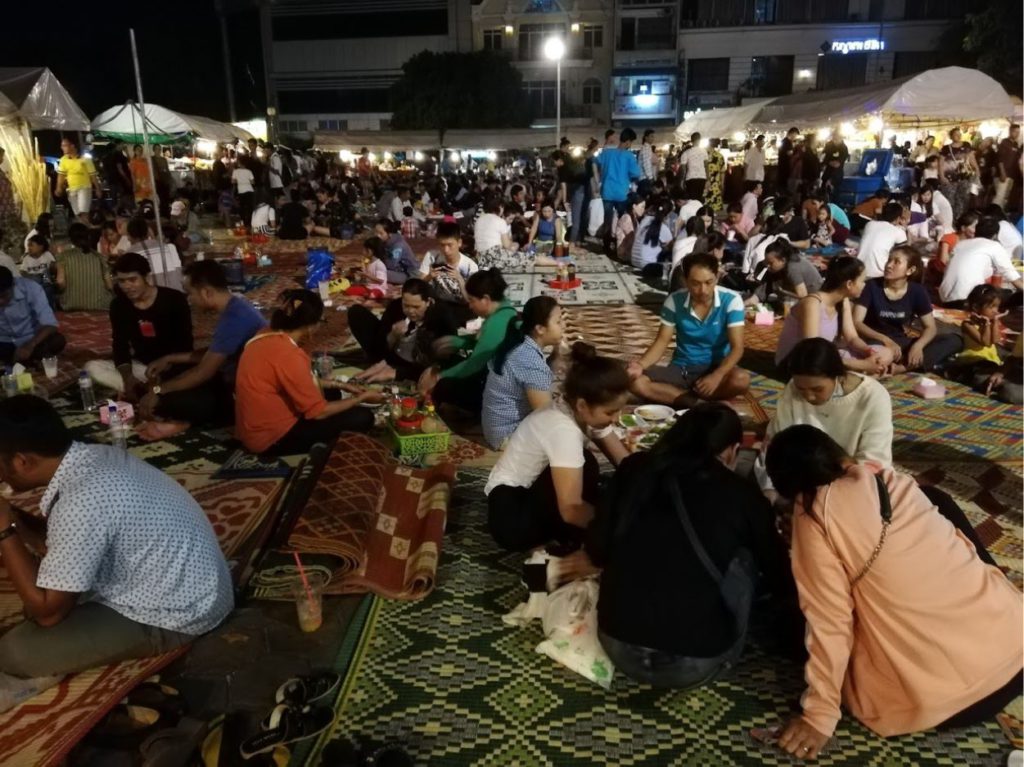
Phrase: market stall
[722,123]
[31,98]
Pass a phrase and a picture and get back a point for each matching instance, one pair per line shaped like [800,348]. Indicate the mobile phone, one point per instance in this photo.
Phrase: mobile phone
[535,576]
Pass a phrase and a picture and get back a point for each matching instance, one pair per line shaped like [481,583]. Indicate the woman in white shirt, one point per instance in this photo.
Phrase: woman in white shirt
[853,409]
[492,239]
[652,236]
[684,244]
[545,485]
[244,181]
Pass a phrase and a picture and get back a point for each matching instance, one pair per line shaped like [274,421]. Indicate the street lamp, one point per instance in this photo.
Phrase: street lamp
[554,49]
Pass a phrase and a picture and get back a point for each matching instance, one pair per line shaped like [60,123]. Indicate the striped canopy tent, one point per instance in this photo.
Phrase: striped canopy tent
[165,126]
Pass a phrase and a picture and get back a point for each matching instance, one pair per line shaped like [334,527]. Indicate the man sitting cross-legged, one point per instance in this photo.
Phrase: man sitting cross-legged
[146,323]
[707,322]
[201,393]
[132,567]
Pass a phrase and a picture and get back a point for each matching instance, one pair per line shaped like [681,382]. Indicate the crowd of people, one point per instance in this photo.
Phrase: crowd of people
[902,652]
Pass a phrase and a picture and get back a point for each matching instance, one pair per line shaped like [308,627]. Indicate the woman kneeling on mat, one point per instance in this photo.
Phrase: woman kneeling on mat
[908,625]
[279,409]
[545,485]
[681,540]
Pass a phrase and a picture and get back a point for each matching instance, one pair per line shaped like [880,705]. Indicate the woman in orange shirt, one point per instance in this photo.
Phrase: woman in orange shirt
[964,231]
[909,624]
[279,408]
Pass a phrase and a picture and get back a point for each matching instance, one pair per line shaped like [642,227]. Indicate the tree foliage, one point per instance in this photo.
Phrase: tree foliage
[444,91]
[994,37]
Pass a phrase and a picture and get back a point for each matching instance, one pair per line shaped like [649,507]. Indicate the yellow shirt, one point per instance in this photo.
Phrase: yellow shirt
[78,171]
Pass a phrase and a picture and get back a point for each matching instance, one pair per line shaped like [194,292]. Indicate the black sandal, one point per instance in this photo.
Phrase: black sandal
[288,725]
[304,690]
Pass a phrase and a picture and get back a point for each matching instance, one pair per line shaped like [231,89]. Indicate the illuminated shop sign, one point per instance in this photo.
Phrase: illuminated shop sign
[858,46]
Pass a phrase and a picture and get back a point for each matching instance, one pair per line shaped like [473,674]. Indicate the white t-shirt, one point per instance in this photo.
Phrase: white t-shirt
[756,246]
[446,287]
[263,219]
[546,437]
[398,208]
[243,179]
[973,262]
[749,203]
[36,266]
[693,160]
[753,164]
[942,212]
[643,253]
[488,230]
[689,210]
[276,168]
[878,239]
[1010,238]
[682,247]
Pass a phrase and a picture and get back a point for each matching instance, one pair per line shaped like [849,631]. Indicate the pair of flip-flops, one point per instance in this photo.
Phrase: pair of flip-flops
[300,713]
[145,710]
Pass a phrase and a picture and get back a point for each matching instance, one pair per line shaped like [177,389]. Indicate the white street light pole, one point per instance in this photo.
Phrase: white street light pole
[554,49]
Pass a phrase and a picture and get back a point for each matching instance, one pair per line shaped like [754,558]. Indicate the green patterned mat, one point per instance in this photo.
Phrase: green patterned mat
[446,678]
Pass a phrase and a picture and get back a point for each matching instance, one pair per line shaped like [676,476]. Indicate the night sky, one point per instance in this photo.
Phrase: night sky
[86,45]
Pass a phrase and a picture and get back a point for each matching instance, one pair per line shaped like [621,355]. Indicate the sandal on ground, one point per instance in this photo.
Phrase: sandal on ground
[125,727]
[161,698]
[349,753]
[303,690]
[288,725]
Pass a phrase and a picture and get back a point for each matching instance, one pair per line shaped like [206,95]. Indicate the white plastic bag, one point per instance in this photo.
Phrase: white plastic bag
[569,620]
[596,216]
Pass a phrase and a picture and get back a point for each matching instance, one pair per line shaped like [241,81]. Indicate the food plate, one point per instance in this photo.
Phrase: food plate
[655,413]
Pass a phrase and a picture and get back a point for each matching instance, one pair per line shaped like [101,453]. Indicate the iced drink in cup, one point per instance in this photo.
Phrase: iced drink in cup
[50,367]
[325,289]
[308,602]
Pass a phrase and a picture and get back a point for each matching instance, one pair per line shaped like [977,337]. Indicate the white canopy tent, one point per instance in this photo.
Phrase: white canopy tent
[34,95]
[934,97]
[721,123]
[164,125]
[31,98]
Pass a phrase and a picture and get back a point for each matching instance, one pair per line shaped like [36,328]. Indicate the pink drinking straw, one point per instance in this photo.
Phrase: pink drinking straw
[305,581]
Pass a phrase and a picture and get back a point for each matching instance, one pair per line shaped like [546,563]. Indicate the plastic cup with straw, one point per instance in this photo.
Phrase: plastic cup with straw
[308,597]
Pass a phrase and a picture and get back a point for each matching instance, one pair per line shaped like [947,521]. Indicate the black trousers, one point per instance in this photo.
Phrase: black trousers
[941,348]
[371,333]
[50,346]
[246,205]
[950,510]
[695,188]
[305,433]
[522,518]
[464,393]
[211,403]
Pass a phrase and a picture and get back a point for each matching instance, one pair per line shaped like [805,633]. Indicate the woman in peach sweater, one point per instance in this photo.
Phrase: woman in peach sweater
[907,626]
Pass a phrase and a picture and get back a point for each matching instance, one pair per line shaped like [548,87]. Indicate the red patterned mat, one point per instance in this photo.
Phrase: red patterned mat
[43,730]
[380,523]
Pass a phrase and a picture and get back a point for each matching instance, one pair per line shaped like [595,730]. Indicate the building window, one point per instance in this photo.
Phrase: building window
[764,11]
[492,39]
[842,70]
[532,38]
[592,91]
[330,125]
[293,126]
[593,36]
[707,75]
[647,96]
[770,76]
[543,6]
[647,33]
[541,95]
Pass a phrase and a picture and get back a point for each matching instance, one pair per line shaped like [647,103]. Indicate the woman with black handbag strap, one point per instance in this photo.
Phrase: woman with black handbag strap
[907,625]
[683,542]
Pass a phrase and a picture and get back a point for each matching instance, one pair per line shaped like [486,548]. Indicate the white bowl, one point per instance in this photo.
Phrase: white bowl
[655,413]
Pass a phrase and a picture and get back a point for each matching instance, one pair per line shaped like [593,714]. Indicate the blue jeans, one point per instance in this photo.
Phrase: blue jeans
[661,669]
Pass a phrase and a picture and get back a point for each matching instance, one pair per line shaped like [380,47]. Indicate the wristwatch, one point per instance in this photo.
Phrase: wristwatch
[156,390]
[9,531]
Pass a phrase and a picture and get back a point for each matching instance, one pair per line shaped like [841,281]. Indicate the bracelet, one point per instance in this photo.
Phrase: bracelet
[11,530]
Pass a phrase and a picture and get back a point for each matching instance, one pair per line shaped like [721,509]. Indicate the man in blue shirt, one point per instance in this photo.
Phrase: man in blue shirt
[616,168]
[707,323]
[28,327]
[196,387]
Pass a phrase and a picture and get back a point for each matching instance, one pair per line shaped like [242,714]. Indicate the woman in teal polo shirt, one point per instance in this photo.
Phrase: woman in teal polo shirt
[707,323]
